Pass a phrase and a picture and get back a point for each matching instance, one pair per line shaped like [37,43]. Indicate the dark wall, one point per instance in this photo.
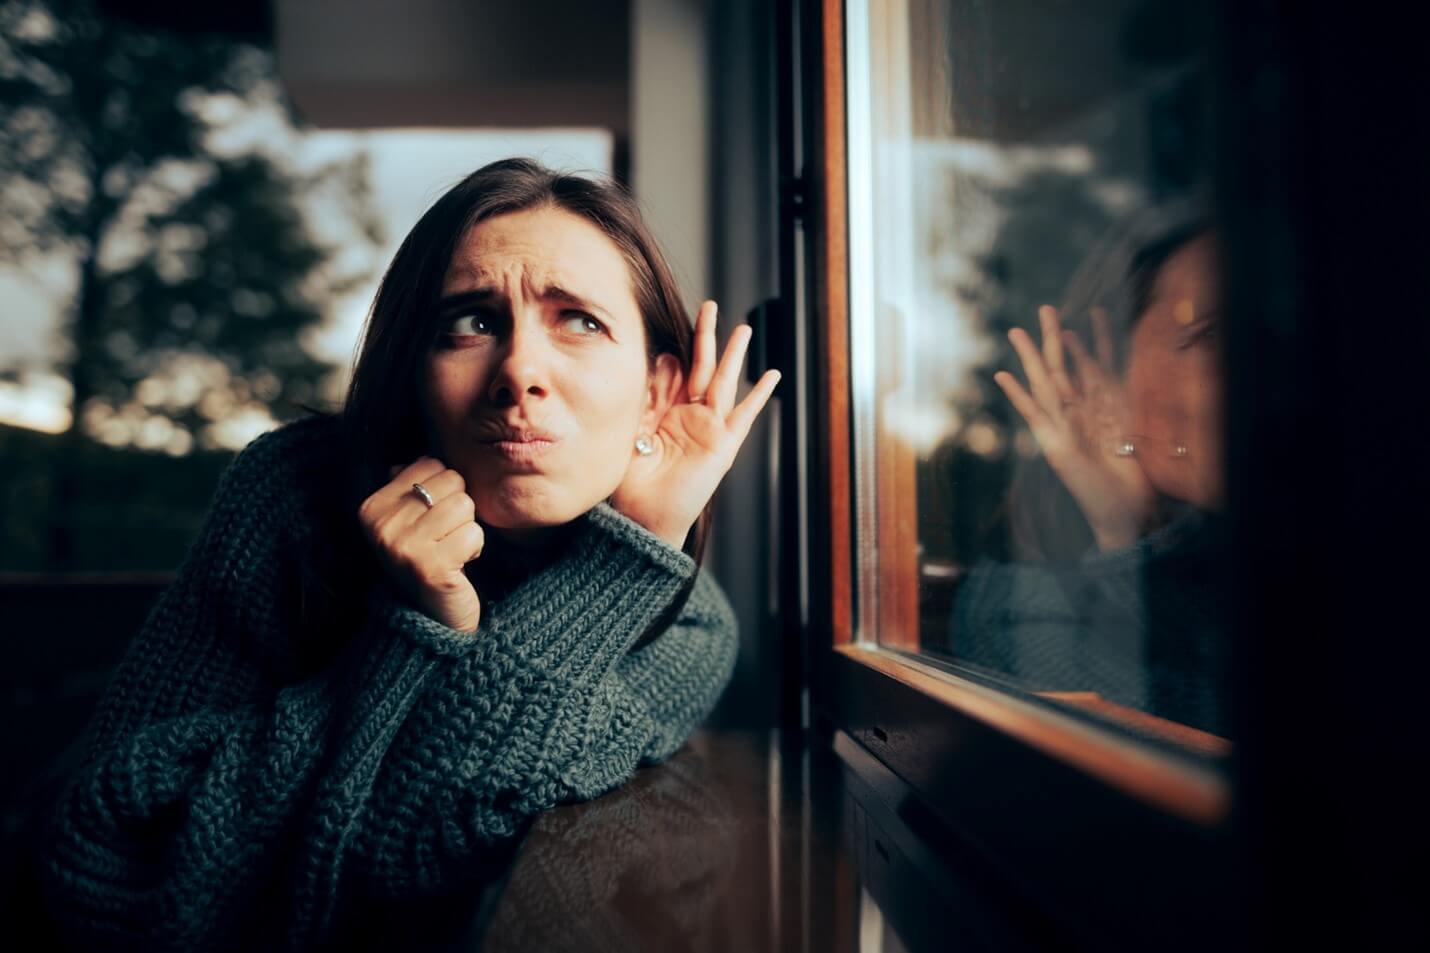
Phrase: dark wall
[742,274]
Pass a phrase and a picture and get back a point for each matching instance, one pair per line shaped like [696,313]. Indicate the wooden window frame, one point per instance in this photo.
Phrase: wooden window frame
[1044,796]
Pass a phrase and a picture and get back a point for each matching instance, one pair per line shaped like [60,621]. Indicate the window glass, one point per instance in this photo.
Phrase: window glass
[1035,357]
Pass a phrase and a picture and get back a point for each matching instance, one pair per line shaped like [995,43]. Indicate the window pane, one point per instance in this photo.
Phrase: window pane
[1035,352]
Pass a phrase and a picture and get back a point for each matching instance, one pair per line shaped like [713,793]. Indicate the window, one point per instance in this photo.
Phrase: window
[1020,652]
[1035,357]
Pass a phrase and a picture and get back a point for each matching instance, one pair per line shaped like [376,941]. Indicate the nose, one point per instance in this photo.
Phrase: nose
[522,368]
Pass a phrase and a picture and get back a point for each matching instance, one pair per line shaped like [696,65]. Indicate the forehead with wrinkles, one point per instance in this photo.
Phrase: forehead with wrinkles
[530,251]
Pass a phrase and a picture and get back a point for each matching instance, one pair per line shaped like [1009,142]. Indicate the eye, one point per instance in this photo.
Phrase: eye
[581,323]
[471,325]
[1205,334]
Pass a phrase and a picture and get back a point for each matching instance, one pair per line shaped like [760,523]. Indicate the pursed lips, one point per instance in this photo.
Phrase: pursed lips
[518,445]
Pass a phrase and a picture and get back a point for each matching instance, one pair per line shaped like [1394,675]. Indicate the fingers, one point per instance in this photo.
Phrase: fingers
[397,504]
[742,418]
[462,544]
[408,507]
[1053,354]
[446,516]
[1088,371]
[441,485]
[1044,391]
[419,470]
[702,366]
[1022,402]
[727,376]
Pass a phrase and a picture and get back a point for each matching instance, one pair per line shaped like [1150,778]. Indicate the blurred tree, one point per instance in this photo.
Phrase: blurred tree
[197,272]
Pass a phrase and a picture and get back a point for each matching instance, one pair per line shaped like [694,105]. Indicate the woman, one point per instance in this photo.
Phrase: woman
[1117,590]
[1121,447]
[405,630]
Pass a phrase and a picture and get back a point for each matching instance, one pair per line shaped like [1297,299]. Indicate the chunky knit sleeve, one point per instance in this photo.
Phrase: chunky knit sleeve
[208,743]
[551,705]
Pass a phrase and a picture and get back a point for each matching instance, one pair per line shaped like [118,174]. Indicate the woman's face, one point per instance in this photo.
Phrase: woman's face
[1175,381]
[539,382]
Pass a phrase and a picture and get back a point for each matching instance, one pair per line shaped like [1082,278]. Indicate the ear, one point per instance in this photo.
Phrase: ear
[666,383]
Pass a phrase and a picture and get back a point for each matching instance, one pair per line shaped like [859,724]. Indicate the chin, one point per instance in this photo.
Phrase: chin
[1203,493]
[519,508]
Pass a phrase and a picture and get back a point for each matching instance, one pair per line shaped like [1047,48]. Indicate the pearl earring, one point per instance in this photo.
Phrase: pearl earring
[643,446]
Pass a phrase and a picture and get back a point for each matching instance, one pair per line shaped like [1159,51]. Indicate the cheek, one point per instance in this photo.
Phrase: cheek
[1190,391]
[608,405]
[1203,387]
[1177,400]
[447,396]
[1142,396]
[444,387]
[1207,432]
[1165,391]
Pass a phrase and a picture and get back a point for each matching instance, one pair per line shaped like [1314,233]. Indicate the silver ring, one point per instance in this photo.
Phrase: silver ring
[696,400]
[423,495]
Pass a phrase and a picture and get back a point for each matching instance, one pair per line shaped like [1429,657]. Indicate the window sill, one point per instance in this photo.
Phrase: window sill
[1171,785]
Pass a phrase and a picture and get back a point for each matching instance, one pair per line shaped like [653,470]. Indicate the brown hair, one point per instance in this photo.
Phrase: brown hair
[383,414]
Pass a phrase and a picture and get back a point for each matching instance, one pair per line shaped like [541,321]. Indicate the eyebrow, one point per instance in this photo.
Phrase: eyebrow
[463,299]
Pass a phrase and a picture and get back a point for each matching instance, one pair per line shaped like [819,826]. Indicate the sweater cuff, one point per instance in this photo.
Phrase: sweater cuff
[576,618]
[420,628]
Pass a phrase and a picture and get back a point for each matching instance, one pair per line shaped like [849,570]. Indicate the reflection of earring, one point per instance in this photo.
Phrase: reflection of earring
[1126,449]
[643,446]
[1180,451]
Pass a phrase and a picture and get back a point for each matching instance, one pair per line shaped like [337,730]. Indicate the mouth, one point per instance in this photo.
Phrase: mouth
[519,445]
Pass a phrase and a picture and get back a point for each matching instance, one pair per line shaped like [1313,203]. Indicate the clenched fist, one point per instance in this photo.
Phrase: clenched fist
[425,548]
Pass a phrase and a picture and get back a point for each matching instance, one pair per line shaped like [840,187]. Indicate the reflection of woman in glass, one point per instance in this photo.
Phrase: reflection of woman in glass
[406,629]
[1120,445]
[1132,613]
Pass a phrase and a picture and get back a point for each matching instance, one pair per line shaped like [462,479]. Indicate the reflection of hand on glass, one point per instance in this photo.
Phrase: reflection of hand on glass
[1079,419]
[1136,444]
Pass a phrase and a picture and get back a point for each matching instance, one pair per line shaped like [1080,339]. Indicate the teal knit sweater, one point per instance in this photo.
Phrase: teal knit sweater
[230,795]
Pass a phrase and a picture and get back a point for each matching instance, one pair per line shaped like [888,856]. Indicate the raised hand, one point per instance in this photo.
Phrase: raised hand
[1080,422]
[696,440]
[425,548]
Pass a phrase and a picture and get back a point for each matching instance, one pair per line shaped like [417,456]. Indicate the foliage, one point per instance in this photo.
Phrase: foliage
[198,273]
[109,155]
[138,511]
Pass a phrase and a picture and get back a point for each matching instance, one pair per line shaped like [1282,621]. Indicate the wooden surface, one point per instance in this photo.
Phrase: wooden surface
[1196,794]
[742,843]
[831,293]
[702,853]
